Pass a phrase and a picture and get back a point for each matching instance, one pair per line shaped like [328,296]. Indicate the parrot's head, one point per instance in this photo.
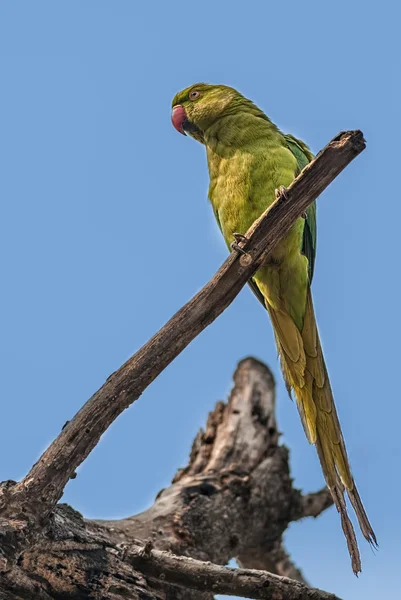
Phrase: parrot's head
[197,107]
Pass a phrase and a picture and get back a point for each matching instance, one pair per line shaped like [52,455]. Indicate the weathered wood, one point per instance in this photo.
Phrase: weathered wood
[197,575]
[34,498]
[233,499]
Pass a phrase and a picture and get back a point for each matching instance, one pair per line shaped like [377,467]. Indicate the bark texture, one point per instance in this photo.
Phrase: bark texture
[234,499]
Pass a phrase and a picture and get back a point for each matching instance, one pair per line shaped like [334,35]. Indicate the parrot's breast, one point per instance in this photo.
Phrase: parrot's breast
[242,186]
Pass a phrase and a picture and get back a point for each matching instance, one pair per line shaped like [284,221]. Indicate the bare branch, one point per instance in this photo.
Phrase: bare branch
[312,505]
[37,494]
[233,499]
[204,576]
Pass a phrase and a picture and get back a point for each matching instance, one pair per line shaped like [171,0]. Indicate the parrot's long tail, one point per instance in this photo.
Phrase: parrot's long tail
[305,372]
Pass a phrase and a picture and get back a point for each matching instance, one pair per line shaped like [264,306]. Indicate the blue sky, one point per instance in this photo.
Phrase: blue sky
[94,180]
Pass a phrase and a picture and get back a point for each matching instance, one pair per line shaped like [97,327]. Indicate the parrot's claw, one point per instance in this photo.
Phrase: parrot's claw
[281,192]
[234,246]
[238,237]
[304,215]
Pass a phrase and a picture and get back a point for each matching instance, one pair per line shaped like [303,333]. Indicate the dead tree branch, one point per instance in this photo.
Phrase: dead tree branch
[27,508]
[202,576]
[233,499]
[312,505]
[36,495]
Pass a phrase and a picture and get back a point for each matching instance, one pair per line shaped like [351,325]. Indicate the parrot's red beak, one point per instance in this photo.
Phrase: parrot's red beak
[178,118]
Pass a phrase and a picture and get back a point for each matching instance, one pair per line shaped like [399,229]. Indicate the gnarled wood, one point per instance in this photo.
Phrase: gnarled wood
[233,499]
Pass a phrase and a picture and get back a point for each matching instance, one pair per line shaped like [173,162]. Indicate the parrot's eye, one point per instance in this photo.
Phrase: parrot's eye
[194,94]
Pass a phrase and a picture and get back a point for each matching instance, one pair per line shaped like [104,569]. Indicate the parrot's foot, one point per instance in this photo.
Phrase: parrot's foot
[238,237]
[304,215]
[281,192]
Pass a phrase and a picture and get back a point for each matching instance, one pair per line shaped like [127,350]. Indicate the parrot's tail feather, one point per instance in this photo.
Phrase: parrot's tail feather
[363,520]
[305,372]
[337,493]
[336,488]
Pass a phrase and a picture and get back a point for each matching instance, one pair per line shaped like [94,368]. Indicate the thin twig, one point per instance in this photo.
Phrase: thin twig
[40,490]
[208,577]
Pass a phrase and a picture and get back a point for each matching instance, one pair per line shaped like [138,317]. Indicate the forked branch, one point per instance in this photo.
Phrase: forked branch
[35,496]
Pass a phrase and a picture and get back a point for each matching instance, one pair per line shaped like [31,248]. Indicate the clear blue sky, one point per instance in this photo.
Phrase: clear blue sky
[94,180]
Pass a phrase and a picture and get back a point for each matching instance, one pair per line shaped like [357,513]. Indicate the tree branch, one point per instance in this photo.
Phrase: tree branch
[204,576]
[25,507]
[312,505]
[35,496]
[234,499]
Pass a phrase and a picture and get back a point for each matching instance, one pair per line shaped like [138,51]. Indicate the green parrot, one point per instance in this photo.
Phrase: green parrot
[248,159]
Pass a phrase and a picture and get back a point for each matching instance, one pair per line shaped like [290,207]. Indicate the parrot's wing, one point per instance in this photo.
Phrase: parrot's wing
[309,239]
[253,285]
[304,156]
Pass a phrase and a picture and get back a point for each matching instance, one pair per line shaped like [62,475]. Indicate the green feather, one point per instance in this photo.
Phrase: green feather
[303,155]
